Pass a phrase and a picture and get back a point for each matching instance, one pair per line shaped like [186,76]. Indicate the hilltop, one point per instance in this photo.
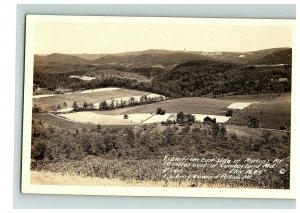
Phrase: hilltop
[169,59]
[60,59]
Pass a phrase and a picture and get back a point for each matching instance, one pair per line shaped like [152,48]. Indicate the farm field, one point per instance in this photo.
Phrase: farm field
[133,119]
[50,103]
[127,99]
[250,97]
[274,113]
[193,105]
[246,132]
[111,73]
[58,122]
[84,77]
[272,110]
[49,119]
[240,105]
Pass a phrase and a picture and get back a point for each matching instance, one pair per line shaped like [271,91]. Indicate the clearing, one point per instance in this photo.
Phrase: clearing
[90,96]
[133,119]
[274,113]
[194,105]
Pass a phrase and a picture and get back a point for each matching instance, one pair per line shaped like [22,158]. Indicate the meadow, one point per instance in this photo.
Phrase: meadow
[89,96]
[273,113]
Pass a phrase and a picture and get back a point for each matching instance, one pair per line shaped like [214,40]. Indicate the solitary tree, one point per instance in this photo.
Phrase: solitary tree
[159,111]
[75,106]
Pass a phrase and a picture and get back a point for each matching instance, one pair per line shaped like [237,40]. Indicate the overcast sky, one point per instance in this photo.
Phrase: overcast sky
[86,37]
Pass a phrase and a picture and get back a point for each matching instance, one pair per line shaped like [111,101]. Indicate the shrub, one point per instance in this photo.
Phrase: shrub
[229,113]
[36,109]
[38,150]
[253,122]
[233,136]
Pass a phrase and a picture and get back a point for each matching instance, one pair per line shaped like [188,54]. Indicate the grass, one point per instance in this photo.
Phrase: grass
[273,110]
[103,74]
[59,122]
[133,119]
[55,178]
[50,103]
[250,98]
[188,105]
[272,113]
[247,132]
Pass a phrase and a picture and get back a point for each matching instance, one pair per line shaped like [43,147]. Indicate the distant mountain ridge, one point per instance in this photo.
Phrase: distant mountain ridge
[60,58]
[167,58]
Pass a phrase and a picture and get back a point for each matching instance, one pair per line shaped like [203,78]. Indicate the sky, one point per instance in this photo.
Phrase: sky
[116,37]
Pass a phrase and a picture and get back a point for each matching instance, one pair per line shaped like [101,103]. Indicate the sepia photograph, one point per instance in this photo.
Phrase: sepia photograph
[158,106]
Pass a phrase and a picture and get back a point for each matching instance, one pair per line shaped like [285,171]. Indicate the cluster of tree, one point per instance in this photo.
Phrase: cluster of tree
[57,149]
[149,72]
[168,122]
[54,81]
[116,104]
[217,78]
[183,118]
[52,144]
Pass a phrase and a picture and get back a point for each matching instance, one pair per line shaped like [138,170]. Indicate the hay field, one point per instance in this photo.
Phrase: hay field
[194,105]
[50,103]
[272,113]
[133,119]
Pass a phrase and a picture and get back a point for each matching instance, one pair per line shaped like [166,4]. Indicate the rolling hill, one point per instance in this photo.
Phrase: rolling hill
[274,113]
[267,56]
[208,77]
[149,59]
[57,58]
[169,59]
[88,56]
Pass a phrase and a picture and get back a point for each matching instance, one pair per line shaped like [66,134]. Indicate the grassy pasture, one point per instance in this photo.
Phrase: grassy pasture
[59,122]
[272,113]
[251,97]
[188,105]
[47,103]
[246,132]
[273,110]
[102,74]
